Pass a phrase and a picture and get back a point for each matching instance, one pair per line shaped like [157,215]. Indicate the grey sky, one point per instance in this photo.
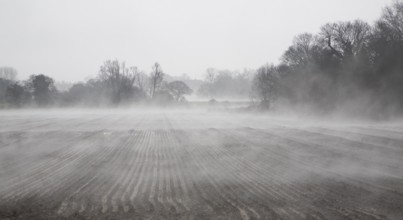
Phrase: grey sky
[69,40]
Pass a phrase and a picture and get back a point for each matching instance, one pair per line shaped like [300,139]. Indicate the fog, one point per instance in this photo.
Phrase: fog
[126,162]
[147,134]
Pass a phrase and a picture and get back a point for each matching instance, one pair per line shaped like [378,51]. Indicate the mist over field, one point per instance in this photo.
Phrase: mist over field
[203,164]
[317,134]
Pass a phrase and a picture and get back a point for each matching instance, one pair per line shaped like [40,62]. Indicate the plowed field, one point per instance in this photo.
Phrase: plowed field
[196,165]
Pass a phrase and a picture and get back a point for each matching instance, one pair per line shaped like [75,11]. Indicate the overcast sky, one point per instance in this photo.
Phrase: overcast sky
[69,40]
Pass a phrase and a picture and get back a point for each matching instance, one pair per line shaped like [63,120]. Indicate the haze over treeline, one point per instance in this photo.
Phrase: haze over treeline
[348,66]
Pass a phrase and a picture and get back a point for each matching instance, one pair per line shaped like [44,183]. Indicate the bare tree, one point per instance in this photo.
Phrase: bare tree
[156,78]
[118,79]
[346,39]
[211,75]
[264,85]
[141,78]
[391,22]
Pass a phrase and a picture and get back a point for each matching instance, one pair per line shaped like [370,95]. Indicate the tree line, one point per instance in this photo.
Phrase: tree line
[115,85]
[348,66]
[226,84]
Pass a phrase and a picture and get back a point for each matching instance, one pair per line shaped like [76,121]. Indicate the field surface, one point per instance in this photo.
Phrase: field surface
[196,165]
